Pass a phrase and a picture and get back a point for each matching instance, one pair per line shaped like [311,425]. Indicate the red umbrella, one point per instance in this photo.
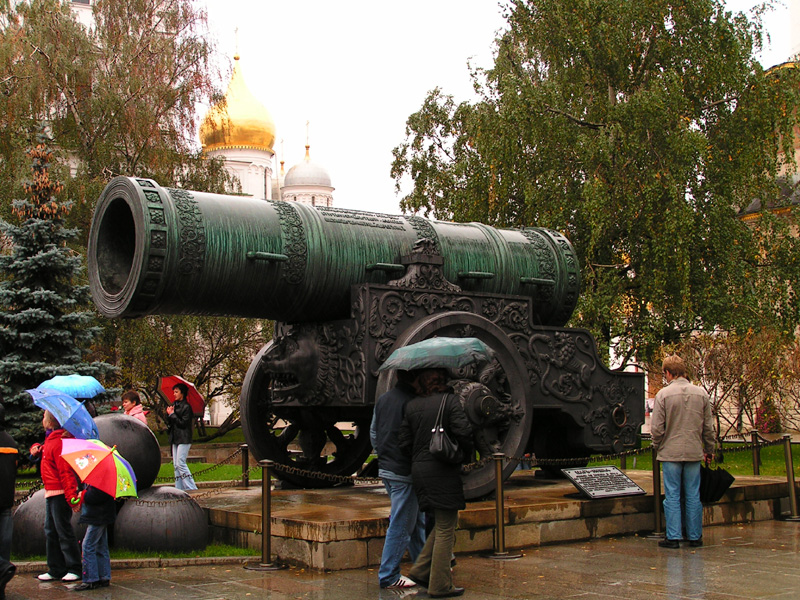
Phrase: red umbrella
[165,385]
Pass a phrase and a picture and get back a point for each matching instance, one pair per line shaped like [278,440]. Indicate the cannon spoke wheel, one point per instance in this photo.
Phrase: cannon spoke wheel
[329,440]
[513,384]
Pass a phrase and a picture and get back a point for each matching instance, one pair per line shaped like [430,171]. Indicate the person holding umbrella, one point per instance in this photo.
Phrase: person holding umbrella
[180,417]
[406,529]
[437,484]
[98,512]
[61,500]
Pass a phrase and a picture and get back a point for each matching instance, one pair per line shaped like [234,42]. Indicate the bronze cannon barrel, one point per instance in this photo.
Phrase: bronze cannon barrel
[155,250]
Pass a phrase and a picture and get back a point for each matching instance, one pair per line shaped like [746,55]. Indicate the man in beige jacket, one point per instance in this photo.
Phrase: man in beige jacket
[683,436]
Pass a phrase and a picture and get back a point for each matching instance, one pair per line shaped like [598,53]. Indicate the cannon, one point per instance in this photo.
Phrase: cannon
[346,288]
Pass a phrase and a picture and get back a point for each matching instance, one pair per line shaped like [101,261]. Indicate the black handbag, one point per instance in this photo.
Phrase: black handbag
[714,483]
[442,446]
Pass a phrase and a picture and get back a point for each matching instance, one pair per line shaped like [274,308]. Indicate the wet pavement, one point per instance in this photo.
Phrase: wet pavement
[759,560]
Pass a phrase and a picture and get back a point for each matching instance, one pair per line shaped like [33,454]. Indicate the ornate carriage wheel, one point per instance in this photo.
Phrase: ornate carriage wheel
[328,440]
[510,382]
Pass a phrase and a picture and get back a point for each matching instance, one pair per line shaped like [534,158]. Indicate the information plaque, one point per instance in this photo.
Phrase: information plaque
[602,482]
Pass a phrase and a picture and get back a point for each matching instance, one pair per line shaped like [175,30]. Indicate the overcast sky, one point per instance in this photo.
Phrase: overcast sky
[356,69]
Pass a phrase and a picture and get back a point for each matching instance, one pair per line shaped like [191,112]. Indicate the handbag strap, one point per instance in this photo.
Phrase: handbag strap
[439,416]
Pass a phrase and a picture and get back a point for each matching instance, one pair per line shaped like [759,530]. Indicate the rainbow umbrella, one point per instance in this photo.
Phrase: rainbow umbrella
[100,466]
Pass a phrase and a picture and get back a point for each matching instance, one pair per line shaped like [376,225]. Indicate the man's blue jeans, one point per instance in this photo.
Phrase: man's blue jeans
[183,476]
[406,528]
[685,476]
[96,559]
[63,555]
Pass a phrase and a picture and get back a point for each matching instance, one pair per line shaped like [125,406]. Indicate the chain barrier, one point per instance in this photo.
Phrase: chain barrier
[531,461]
[224,461]
[221,487]
[31,491]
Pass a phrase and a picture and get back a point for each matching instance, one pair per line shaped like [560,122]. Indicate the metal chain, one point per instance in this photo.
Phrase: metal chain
[35,488]
[531,461]
[221,487]
[201,471]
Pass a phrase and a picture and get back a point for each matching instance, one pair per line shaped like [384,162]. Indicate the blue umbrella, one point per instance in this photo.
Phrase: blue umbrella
[77,386]
[439,352]
[72,414]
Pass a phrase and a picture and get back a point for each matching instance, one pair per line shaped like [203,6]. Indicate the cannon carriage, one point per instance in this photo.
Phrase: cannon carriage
[346,288]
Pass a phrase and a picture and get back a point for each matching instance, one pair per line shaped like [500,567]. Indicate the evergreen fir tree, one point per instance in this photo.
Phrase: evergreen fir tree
[44,327]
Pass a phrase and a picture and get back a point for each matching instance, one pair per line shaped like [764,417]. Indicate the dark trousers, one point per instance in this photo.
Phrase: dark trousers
[63,554]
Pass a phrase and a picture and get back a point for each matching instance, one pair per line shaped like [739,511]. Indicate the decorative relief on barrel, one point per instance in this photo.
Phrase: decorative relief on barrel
[152,196]
[366,219]
[424,229]
[294,242]
[158,239]
[191,232]
[157,216]
[545,260]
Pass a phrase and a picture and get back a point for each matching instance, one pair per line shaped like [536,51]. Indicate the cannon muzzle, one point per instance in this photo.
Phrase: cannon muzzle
[155,250]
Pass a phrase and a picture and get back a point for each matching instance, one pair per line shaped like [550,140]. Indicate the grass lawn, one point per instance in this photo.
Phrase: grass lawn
[220,473]
[212,550]
[235,436]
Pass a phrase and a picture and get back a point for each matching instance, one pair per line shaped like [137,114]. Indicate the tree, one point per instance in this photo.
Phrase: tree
[120,98]
[637,129]
[43,329]
[212,352]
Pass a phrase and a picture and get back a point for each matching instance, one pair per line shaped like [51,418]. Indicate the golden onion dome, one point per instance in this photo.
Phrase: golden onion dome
[242,121]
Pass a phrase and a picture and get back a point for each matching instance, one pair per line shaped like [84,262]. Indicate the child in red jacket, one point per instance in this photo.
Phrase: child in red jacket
[61,500]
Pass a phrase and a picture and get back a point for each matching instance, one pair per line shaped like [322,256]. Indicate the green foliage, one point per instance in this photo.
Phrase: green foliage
[211,352]
[768,419]
[120,98]
[44,327]
[638,129]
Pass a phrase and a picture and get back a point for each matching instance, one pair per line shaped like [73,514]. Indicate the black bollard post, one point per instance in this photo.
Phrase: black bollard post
[623,462]
[500,552]
[266,563]
[787,447]
[245,465]
[658,524]
[756,453]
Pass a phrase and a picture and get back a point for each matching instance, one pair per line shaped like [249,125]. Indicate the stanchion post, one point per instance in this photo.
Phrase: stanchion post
[756,453]
[266,563]
[787,447]
[245,465]
[658,526]
[623,462]
[500,534]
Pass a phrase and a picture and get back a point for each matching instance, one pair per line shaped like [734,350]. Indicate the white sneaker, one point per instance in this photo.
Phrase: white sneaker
[45,577]
[402,582]
[70,577]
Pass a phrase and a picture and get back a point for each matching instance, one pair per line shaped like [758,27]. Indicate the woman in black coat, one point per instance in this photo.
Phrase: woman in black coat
[437,484]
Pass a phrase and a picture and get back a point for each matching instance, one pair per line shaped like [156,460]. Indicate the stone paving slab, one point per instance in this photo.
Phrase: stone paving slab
[758,560]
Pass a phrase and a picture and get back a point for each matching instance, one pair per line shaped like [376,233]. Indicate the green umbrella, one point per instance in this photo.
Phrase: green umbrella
[439,352]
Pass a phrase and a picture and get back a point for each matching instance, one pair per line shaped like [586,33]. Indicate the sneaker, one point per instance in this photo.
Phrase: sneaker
[402,582]
[46,577]
[70,577]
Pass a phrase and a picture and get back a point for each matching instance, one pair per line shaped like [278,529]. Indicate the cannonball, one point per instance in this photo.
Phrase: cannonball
[28,536]
[163,518]
[135,442]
